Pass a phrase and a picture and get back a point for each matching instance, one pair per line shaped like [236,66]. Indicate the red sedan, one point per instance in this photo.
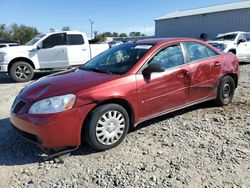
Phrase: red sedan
[120,88]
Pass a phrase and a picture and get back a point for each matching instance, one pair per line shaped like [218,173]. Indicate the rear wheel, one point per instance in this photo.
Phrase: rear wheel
[107,126]
[225,91]
[21,71]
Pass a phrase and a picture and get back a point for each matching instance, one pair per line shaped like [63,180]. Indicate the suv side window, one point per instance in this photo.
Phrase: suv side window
[198,51]
[54,40]
[169,57]
[75,39]
[247,37]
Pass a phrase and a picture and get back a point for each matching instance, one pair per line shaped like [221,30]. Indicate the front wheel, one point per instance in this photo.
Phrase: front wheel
[225,91]
[21,71]
[107,126]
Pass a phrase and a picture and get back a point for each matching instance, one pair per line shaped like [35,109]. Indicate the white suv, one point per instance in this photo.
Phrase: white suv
[236,42]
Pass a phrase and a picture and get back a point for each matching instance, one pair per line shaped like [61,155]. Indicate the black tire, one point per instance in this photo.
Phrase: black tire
[225,91]
[21,71]
[94,138]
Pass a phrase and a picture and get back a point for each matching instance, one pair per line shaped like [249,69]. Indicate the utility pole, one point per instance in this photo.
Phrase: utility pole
[91,28]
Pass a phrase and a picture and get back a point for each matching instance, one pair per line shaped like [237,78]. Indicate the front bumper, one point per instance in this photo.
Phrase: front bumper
[52,130]
[3,68]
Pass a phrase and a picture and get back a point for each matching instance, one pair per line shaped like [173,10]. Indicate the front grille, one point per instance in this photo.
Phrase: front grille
[18,106]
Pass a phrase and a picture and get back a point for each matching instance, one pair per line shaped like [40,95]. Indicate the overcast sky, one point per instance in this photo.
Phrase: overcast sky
[109,15]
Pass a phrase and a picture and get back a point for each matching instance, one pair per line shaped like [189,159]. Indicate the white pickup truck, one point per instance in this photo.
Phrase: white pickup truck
[237,42]
[48,51]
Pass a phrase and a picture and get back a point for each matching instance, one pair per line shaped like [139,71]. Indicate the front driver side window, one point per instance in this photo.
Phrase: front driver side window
[54,40]
[169,57]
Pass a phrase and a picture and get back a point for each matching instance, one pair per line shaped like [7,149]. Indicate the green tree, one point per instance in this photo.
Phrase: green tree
[22,32]
[123,35]
[135,34]
[4,34]
[114,34]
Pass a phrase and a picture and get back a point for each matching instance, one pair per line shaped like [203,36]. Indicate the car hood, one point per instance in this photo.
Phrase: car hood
[15,49]
[67,82]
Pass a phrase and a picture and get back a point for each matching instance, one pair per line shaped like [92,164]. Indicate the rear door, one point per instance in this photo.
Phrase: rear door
[205,66]
[167,90]
[243,51]
[53,52]
[78,49]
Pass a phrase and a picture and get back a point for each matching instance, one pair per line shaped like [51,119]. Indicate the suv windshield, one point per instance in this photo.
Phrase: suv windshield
[117,60]
[35,39]
[230,37]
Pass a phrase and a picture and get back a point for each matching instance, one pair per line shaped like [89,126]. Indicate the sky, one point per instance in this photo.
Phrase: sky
[107,15]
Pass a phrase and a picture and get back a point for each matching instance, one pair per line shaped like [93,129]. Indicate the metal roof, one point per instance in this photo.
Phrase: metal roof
[206,10]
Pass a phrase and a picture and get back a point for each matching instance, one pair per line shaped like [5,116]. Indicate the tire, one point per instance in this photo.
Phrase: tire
[107,127]
[21,71]
[225,91]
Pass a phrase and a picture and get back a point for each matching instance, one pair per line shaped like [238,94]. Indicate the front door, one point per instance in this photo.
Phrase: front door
[53,52]
[166,90]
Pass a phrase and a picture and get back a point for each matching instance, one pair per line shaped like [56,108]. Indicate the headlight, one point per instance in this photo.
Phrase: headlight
[53,104]
[2,56]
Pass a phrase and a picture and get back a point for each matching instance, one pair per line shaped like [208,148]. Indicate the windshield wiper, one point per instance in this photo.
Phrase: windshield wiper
[95,69]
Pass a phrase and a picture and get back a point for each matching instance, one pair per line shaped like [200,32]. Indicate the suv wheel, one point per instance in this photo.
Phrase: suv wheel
[107,126]
[225,91]
[21,71]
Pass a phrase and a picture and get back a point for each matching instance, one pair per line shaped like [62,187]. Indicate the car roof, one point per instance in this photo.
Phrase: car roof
[154,41]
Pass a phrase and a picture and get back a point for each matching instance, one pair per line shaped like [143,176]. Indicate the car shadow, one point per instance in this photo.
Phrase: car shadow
[204,105]
[14,149]
[17,151]
[5,78]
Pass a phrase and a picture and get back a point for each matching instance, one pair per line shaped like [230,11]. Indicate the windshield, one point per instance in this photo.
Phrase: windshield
[230,37]
[35,39]
[117,60]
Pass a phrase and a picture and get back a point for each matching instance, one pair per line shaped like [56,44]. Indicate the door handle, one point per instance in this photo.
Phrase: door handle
[217,63]
[62,50]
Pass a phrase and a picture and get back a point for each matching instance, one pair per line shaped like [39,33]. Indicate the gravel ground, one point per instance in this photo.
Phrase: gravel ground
[201,146]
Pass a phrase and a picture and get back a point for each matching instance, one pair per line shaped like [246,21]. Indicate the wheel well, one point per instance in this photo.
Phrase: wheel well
[232,50]
[21,59]
[125,104]
[235,78]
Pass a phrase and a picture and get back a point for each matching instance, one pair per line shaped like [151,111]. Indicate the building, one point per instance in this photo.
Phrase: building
[205,22]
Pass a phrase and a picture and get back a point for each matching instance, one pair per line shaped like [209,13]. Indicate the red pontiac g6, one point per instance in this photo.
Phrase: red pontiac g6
[120,88]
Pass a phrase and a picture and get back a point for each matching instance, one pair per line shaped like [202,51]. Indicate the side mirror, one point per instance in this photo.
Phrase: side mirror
[39,46]
[241,40]
[152,67]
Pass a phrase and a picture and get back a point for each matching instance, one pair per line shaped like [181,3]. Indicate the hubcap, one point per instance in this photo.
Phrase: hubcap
[110,127]
[22,71]
[226,91]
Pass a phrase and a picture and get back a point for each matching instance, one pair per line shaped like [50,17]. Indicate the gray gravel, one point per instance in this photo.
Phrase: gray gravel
[201,146]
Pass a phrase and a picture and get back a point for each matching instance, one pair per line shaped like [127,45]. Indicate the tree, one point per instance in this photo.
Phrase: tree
[123,35]
[115,34]
[22,32]
[4,34]
[66,28]
[95,33]
[135,34]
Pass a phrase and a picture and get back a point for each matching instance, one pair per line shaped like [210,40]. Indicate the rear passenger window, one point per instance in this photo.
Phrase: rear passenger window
[198,51]
[75,39]
[247,37]
[170,57]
